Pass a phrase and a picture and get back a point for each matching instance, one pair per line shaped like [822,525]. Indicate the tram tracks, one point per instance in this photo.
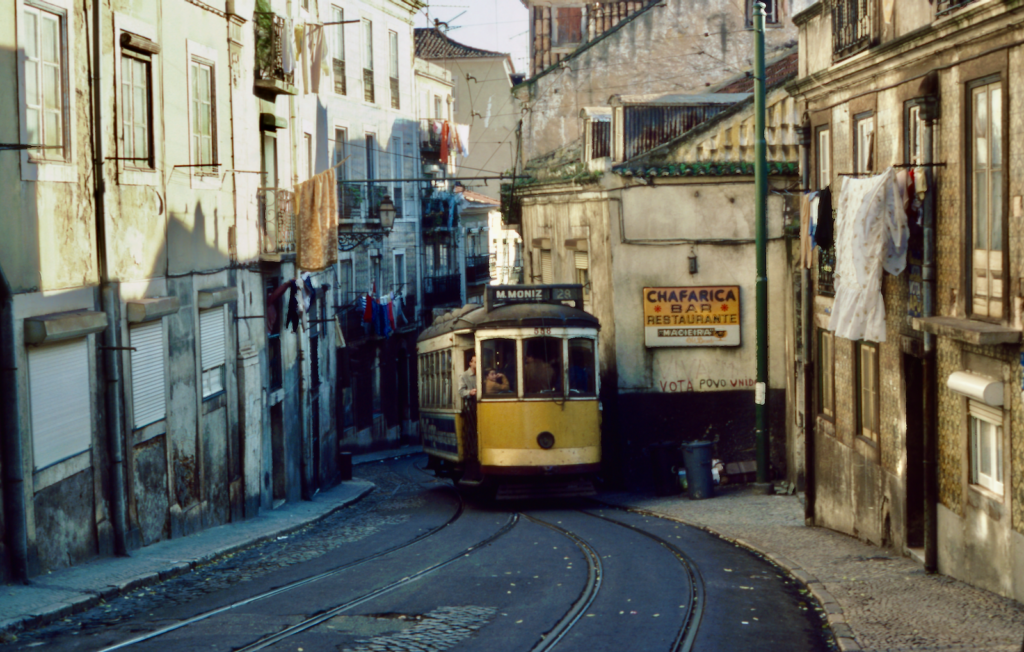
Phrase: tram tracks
[460,509]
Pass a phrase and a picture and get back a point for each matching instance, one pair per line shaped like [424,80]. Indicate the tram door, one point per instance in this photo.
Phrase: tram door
[466,353]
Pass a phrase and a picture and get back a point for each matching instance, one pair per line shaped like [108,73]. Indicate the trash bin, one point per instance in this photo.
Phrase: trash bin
[697,460]
[663,462]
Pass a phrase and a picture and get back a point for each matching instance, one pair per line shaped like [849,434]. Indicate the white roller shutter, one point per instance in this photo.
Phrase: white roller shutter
[149,402]
[547,272]
[582,260]
[58,379]
[212,349]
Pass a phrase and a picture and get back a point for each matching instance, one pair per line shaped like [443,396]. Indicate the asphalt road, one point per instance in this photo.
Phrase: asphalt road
[417,567]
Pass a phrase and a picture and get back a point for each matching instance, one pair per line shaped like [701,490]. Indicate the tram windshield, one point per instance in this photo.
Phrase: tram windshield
[498,371]
[542,366]
[581,367]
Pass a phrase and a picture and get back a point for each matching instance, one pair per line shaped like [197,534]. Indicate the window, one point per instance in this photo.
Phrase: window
[568,28]
[45,81]
[348,197]
[497,368]
[136,109]
[986,424]
[547,270]
[827,374]
[338,51]
[378,287]
[274,326]
[268,160]
[863,142]
[914,137]
[542,366]
[58,378]
[867,391]
[824,157]
[985,188]
[582,376]
[371,174]
[212,348]
[149,403]
[771,12]
[368,93]
[399,277]
[204,143]
[396,173]
[393,68]
[437,108]
[582,261]
[308,139]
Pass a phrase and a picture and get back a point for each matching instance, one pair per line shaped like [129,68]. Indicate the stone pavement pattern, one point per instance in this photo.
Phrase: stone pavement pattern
[875,599]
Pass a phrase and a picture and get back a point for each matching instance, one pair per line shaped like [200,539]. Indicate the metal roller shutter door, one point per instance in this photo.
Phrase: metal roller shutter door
[58,379]
[149,400]
[547,272]
[211,337]
[581,260]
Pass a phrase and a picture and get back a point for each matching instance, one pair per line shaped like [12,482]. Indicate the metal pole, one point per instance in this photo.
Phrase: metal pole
[760,218]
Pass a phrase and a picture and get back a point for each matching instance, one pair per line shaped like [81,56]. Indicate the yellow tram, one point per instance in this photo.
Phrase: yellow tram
[533,423]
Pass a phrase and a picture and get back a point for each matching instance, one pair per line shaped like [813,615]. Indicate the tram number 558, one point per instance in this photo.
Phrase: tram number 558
[542,331]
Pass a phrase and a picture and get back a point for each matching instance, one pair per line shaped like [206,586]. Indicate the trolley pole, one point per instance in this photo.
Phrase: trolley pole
[760,217]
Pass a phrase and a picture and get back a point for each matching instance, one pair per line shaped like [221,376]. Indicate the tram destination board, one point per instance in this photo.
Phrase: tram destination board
[692,316]
[498,295]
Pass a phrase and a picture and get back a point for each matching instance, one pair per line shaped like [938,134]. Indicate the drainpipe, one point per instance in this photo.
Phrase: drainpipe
[761,432]
[930,114]
[110,304]
[807,328]
[10,430]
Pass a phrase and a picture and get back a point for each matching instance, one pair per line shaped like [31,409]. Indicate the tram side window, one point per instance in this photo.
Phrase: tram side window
[581,367]
[446,378]
[498,368]
[542,366]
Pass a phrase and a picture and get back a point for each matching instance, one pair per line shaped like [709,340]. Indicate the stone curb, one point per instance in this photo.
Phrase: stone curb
[88,598]
[843,634]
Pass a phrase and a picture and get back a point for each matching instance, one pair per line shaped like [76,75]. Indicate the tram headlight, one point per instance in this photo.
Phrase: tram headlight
[545,440]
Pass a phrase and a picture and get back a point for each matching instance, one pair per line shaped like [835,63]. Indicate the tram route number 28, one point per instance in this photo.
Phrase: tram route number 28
[562,294]
[542,331]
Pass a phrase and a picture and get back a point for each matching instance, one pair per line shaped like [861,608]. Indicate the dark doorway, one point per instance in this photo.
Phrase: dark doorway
[278,454]
[913,377]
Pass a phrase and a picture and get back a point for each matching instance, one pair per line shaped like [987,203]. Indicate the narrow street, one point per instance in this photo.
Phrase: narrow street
[416,566]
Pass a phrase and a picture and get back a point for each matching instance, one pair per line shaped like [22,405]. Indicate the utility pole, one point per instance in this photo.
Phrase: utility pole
[760,218]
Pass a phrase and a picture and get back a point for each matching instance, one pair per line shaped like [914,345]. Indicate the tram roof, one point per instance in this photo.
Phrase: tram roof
[529,315]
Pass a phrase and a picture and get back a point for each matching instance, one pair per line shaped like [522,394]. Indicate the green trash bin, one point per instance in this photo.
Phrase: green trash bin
[697,460]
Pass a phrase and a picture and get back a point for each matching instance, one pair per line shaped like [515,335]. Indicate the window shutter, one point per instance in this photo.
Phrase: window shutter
[149,401]
[582,261]
[547,272]
[984,412]
[59,385]
[211,338]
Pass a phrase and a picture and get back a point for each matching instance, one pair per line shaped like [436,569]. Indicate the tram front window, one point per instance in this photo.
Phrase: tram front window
[542,366]
[581,367]
[499,368]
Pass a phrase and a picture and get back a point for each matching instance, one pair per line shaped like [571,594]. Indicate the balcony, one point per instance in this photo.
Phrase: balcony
[478,269]
[949,5]
[430,141]
[277,222]
[853,27]
[355,329]
[439,290]
[360,201]
[269,69]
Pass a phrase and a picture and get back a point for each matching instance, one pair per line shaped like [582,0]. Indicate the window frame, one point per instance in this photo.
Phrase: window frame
[826,370]
[771,11]
[556,26]
[338,51]
[394,69]
[369,82]
[864,430]
[862,164]
[35,166]
[147,64]
[208,368]
[969,203]
[823,164]
[205,176]
[978,412]
[61,17]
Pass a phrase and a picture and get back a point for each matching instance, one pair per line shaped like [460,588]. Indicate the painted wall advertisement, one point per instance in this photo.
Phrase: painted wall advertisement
[692,316]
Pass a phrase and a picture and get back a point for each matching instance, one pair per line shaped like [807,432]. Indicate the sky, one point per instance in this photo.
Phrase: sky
[498,25]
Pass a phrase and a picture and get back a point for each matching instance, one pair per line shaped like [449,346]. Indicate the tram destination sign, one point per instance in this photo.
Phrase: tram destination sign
[498,295]
[692,316]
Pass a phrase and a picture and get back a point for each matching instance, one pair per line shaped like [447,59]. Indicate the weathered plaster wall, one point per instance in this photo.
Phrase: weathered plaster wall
[678,47]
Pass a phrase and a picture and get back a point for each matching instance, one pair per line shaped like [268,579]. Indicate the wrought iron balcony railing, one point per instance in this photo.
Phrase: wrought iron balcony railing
[430,138]
[270,44]
[853,26]
[360,200]
[277,220]
[439,290]
[478,269]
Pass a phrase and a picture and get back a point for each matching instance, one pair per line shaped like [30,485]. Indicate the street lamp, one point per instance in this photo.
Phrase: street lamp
[349,240]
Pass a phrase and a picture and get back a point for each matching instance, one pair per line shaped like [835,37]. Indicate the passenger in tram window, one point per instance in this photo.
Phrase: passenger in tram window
[538,375]
[495,383]
[467,381]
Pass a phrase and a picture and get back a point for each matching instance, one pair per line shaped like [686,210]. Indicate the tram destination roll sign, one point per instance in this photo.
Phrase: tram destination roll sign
[692,316]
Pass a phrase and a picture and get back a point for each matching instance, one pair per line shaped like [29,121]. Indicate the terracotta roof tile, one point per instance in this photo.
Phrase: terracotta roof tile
[773,73]
[432,44]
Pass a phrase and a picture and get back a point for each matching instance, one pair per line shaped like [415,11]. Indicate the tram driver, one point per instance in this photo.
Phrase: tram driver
[467,381]
[538,374]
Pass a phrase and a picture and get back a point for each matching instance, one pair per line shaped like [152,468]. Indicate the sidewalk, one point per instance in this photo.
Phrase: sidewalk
[875,599]
[70,590]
